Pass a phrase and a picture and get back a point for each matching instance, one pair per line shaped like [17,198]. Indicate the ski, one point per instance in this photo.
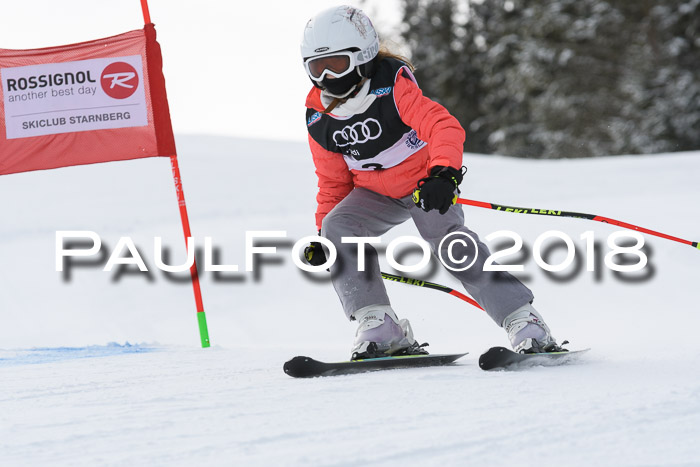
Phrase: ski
[500,358]
[306,367]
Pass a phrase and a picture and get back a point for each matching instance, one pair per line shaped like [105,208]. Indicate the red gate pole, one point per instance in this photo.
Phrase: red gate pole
[146,14]
[201,317]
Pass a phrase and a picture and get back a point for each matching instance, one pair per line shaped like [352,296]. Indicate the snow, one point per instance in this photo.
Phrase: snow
[106,369]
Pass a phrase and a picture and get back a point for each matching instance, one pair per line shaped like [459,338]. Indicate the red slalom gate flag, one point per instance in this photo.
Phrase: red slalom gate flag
[96,101]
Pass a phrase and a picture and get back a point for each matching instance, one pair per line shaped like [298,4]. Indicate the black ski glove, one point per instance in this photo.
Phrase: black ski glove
[314,254]
[438,190]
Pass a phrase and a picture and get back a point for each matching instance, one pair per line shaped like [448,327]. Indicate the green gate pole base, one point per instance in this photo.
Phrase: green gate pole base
[203,331]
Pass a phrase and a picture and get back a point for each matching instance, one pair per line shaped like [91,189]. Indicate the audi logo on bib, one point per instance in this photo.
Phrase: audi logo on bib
[358,133]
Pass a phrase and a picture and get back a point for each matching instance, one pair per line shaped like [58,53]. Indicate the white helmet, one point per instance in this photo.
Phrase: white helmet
[336,42]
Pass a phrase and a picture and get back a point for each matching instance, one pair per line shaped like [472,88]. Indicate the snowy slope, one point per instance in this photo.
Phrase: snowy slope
[73,392]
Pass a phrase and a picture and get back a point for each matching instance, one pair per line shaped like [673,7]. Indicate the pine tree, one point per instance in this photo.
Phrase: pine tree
[567,78]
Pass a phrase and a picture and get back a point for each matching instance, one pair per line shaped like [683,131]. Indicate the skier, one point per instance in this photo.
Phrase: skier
[385,153]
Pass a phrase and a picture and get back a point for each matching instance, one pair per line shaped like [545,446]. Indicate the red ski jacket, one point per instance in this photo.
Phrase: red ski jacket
[432,123]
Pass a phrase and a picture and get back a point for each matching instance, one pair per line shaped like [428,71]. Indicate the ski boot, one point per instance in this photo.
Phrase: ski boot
[528,332]
[381,334]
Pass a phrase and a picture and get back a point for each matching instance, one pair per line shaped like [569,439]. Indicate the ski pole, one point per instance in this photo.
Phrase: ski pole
[430,285]
[577,215]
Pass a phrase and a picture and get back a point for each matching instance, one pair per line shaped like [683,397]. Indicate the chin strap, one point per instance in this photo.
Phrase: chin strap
[339,100]
[332,106]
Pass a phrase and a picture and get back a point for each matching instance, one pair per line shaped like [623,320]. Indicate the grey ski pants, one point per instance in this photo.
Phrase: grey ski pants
[364,213]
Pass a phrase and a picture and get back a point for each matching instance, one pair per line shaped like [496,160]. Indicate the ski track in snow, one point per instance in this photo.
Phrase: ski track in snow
[180,406]
[73,392]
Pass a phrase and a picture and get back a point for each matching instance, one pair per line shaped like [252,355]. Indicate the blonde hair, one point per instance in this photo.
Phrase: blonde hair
[385,52]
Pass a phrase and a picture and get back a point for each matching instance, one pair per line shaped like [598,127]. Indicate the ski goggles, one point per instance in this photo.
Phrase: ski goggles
[336,64]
